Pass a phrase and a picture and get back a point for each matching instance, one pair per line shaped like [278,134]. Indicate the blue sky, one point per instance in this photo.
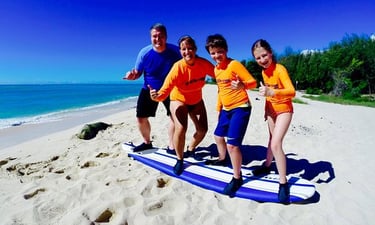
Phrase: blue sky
[43,41]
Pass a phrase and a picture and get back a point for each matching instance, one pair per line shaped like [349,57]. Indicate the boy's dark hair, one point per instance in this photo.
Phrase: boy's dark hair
[216,41]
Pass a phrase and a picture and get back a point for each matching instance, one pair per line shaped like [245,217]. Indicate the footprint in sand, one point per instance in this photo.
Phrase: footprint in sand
[32,168]
[32,194]
[153,188]
[104,217]
[5,161]
[89,164]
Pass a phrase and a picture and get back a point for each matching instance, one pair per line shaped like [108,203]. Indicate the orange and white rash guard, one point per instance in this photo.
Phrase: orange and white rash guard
[225,73]
[184,82]
[276,77]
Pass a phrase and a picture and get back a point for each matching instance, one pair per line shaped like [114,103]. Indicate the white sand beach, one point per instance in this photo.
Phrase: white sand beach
[61,179]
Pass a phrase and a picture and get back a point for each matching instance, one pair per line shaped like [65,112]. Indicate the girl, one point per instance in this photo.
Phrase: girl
[279,91]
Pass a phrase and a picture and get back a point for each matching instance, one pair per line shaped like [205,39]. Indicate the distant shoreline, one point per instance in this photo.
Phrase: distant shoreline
[23,132]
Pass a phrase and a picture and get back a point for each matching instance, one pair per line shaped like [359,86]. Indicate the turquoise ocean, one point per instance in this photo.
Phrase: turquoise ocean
[37,103]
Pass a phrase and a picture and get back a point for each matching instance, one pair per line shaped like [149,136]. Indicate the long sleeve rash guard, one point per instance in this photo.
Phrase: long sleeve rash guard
[185,82]
[276,77]
[227,72]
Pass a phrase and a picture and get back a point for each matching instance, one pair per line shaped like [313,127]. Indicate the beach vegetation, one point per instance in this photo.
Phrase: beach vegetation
[364,100]
[342,73]
[298,101]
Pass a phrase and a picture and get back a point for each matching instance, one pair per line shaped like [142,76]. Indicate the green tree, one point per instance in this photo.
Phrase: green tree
[343,85]
[254,69]
[344,68]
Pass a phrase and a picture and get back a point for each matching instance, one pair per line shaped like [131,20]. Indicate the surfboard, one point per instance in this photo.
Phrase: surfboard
[215,178]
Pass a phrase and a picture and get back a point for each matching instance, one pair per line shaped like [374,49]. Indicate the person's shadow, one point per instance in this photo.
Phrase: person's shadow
[317,172]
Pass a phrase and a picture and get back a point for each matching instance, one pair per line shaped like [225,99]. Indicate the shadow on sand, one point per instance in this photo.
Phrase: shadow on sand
[317,172]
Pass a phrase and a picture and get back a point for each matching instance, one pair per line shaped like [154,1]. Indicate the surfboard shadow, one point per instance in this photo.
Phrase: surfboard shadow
[249,153]
[317,172]
[320,172]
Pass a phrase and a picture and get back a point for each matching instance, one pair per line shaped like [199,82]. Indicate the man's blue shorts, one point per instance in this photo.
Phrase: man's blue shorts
[232,124]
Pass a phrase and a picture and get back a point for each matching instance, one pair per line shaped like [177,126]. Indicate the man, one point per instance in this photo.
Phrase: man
[154,62]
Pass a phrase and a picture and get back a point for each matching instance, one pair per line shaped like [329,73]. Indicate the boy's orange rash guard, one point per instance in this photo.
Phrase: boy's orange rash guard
[225,73]
[277,78]
[184,82]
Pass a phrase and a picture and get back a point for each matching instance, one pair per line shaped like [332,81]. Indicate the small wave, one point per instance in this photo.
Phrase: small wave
[16,124]
[123,104]
[6,123]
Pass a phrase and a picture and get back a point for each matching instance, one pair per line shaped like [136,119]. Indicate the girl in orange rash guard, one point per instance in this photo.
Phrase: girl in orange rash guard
[184,84]
[279,91]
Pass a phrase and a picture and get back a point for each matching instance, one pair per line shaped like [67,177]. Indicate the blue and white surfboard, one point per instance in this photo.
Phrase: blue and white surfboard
[215,178]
